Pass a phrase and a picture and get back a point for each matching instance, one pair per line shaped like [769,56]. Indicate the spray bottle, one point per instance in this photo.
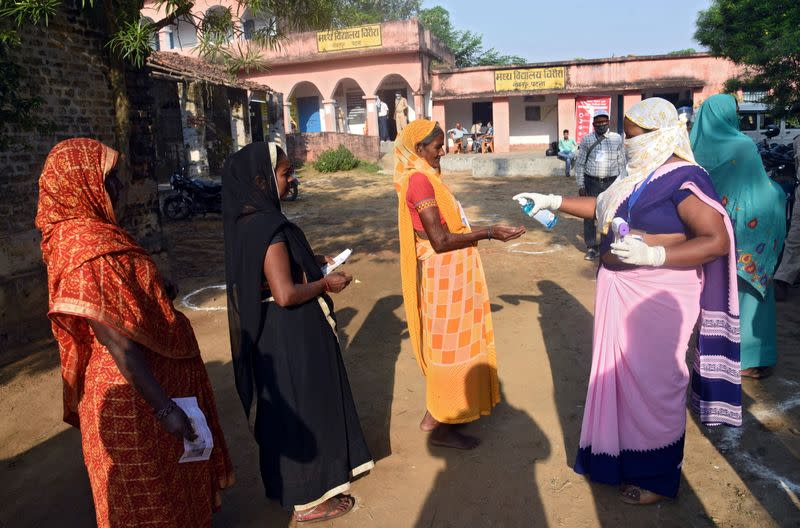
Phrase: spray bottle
[547,218]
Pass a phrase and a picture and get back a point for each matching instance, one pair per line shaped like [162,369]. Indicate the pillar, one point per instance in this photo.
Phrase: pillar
[566,114]
[629,99]
[193,121]
[287,118]
[239,130]
[329,114]
[163,37]
[419,105]
[439,114]
[371,127]
[502,124]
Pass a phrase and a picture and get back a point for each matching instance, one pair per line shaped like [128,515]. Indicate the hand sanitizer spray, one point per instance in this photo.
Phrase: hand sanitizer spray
[547,218]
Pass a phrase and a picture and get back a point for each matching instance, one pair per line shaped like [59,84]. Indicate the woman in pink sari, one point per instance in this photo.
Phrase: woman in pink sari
[675,271]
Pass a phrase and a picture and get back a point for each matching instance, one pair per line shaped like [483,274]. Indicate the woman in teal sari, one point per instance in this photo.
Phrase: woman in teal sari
[757,209]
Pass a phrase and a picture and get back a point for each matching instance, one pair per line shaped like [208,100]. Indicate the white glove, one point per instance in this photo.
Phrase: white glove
[551,202]
[632,250]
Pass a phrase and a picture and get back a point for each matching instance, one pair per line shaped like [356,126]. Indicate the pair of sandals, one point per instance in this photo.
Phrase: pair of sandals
[328,510]
[630,494]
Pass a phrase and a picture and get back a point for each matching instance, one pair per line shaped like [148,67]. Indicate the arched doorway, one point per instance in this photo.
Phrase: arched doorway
[254,24]
[182,34]
[217,24]
[306,108]
[155,45]
[350,108]
[390,86]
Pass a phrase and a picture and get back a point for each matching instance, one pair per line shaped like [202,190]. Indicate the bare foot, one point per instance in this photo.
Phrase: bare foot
[446,435]
[428,423]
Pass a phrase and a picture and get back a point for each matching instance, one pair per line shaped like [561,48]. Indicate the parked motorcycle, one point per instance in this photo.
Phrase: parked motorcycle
[780,164]
[294,190]
[191,197]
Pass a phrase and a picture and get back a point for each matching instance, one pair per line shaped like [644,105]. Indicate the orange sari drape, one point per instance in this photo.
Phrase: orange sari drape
[97,272]
[446,300]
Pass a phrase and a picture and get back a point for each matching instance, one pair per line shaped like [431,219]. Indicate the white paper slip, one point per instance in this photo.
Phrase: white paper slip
[338,260]
[200,448]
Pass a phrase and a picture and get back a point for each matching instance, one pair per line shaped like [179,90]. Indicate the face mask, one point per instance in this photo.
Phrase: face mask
[634,145]
[601,129]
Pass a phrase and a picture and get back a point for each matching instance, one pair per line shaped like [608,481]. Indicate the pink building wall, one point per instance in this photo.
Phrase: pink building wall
[701,75]
[405,59]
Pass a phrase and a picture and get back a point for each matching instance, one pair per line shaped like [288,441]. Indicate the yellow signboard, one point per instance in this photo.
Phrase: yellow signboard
[349,38]
[530,79]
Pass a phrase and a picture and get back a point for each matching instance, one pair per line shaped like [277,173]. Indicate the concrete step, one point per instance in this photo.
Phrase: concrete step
[513,164]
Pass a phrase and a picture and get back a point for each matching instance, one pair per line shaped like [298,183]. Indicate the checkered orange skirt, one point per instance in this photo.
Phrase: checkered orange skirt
[457,335]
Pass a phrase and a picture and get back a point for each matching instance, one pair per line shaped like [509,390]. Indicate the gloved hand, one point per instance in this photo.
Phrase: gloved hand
[551,202]
[632,250]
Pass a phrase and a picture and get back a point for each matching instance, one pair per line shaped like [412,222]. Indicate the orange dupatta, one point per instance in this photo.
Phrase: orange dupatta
[97,271]
[407,162]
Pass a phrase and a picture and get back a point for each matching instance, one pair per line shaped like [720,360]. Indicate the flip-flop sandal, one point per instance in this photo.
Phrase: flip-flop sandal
[638,496]
[756,373]
[335,507]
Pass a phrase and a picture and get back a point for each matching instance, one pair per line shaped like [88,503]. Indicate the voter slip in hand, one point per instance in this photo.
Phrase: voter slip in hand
[199,449]
[338,260]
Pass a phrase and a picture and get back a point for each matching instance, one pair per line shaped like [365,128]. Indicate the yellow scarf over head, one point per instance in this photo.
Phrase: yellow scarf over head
[408,162]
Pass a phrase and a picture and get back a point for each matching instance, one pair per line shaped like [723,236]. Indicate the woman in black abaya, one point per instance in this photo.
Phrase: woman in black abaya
[284,343]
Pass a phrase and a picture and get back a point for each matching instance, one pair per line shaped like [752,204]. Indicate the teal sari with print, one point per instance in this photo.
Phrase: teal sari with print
[757,207]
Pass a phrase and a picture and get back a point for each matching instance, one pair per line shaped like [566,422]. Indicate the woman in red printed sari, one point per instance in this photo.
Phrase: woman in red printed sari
[125,353]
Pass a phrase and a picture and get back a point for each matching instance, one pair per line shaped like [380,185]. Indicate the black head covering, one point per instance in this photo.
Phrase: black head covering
[252,217]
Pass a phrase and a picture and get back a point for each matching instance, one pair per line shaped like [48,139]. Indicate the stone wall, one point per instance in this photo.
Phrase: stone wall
[305,148]
[64,64]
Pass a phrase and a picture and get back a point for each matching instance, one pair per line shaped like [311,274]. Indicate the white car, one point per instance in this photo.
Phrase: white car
[754,119]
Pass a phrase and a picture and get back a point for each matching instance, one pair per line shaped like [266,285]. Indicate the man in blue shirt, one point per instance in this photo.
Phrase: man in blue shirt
[600,161]
[566,150]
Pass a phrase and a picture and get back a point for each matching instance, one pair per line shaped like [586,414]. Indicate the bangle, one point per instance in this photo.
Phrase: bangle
[166,411]
[489,233]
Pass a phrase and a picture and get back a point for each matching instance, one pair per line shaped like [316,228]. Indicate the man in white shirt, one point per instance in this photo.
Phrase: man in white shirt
[383,118]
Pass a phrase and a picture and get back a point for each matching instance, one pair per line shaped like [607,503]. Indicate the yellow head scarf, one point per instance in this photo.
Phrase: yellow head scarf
[646,152]
[408,162]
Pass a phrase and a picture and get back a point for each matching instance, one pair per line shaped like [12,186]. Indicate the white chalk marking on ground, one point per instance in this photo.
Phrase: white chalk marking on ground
[730,444]
[187,303]
[553,249]
[761,411]
[792,495]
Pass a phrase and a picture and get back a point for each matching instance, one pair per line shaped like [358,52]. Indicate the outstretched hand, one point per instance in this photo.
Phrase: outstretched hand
[505,233]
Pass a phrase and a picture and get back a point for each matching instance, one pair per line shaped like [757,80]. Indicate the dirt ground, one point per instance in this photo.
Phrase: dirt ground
[542,298]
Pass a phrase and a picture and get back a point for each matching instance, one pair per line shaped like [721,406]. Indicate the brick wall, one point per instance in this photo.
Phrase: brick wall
[305,148]
[65,65]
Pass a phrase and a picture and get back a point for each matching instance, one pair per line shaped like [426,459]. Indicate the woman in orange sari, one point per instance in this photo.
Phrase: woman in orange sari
[444,289]
[125,352]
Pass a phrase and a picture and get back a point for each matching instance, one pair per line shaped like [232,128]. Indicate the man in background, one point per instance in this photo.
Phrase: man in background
[383,118]
[566,151]
[600,161]
[400,109]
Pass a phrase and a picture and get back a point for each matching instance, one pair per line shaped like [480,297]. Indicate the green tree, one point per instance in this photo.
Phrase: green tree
[130,39]
[357,12]
[763,36]
[686,51]
[466,45]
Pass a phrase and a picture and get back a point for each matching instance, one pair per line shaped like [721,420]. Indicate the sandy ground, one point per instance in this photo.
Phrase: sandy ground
[542,294]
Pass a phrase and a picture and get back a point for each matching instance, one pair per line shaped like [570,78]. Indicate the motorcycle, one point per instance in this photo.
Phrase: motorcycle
[779,162]
[294,189]
[191,197]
